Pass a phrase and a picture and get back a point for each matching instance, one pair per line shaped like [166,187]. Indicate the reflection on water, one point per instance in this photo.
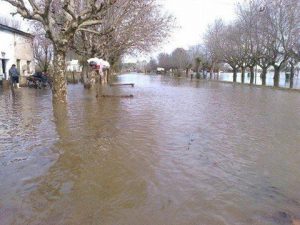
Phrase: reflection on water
[179,152]
[284,82]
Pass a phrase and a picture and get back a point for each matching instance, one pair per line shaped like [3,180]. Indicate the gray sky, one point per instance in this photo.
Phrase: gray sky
[193,17]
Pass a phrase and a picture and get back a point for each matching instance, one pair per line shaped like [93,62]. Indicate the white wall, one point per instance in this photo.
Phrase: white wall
[15,47]
[24,52]
[7,47]
[73,66]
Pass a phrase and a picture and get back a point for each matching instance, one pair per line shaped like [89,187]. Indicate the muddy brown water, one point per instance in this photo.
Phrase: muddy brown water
[179,152]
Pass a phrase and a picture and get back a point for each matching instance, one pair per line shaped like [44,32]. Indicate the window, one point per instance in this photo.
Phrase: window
[28,66]
[18,64]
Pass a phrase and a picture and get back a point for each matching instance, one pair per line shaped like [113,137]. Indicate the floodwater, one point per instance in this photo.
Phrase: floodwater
[178,153]
[283,82]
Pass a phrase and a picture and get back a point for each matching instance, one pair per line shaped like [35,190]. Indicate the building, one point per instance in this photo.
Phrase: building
[73,66]
[160,70]
[73,62]
[16,47]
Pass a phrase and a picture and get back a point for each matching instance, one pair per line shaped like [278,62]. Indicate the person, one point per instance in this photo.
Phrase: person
[14,75]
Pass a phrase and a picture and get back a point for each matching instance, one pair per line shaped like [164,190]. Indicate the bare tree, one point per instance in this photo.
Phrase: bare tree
[197,55]
[266,33]
[130,27]
[249,22]
[212,41]
[282,24]
[180,60]
[232,48]
[164,61]
[265,43]
[141,30]
[151,66]
[61,20]
[43,53]
[42,48]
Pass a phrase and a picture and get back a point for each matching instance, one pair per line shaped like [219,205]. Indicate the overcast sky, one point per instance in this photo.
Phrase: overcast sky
[192,17]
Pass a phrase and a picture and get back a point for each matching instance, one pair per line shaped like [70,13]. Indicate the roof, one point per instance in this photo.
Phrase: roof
[14,30]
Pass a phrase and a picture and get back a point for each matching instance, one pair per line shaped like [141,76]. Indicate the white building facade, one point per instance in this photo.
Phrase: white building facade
[73,66]
[16,47]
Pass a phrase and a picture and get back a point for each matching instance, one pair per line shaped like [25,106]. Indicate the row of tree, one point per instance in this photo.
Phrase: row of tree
[266,33]
[92,28]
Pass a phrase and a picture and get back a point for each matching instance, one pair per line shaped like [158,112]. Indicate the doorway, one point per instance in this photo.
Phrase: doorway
[3,69]
[18,65]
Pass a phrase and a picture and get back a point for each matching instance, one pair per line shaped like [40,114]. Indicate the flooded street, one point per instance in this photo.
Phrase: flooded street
[178,153]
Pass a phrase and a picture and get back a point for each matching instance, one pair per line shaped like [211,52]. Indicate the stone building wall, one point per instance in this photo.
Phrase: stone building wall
[24,56]
[24,53]
[16,47]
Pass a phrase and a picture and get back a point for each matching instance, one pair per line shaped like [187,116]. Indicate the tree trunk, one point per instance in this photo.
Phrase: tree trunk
[251,74]
[73,76]
[84,71]
[276,76]
[59,88]
[243,74]
[234,74]
[264,75]
[108,75]
[103,76]
[292,70]
[99,82]
[292,83]
[211,73]
[292,75]
[287,77]
[197,69]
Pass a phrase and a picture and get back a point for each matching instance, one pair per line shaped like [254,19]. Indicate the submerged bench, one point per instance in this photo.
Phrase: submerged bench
[119,84]
[117,96]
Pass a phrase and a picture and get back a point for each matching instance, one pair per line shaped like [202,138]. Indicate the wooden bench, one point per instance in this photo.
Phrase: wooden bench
[118,84]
